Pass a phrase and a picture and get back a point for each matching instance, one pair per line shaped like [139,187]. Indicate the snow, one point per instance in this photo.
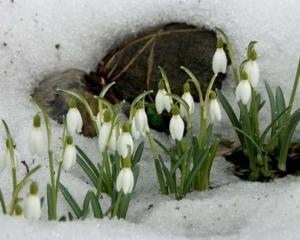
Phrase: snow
[85,31]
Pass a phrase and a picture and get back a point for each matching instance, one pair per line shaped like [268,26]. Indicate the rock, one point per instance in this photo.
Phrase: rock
[134,64]
[56,103]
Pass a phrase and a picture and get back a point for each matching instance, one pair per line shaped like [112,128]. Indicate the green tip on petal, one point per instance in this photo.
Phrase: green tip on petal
[186,87]
[213,95]
[140,105]
[252,55]
[18,210]
[220,43]
[33,188]
[73,103]
[126,127]
[37,121]
[161,85]
[175,110]
[127,161]
[107,115]
[244,75]
[69,140]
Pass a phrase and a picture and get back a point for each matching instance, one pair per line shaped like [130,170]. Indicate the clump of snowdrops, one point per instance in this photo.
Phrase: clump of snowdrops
[266,149]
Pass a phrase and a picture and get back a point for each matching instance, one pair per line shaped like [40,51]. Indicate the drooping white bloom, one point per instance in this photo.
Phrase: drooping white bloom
[135,133]
[162,100]
[125,180]
[32,205]
[187,96]
[104,134]
[140,122]
[243,90]
[74,119]
[125,141]
[214,108]
[252,69]
[69,157]
[219,62]
[176,126]
[37,138]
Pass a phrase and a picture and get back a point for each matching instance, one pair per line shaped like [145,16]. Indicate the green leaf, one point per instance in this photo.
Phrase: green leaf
[49,202]
[88,171]
[85,206]
[138,154]
[169,178]
[230,113]
[96,205]
[2,203]
[70,200]
[199,163]
[272,106]
[160,176]
[87,161]
[124,204]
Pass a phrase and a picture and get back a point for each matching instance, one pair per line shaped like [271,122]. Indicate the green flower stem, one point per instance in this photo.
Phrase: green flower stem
[183,173]
[117,205]
[296,83]
[50,157]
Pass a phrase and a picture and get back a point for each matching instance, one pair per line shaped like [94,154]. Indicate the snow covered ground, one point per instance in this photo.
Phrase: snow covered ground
[85,30]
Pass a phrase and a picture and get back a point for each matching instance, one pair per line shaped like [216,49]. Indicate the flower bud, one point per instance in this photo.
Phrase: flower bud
[32,205]
[125,179]
[105,131]
[214,108]
[69,158]
[189,100]
[125,141]
[140,120]
[252,69]
[243,90]
[74,119]
[37,138]
[176,126]
[219,62]
[162,100]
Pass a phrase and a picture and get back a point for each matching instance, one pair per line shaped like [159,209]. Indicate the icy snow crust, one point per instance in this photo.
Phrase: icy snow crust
[85,30]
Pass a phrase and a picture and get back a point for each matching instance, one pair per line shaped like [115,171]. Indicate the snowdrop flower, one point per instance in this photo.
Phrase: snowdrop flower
[176,124]
[36,138]
[69,157]
[135,133]
[189,100]
[243,90]
[32,205]
[252,69]
[214,108]
[125,179]
[125,144]
[162,100]
[219,62]
[140,121]
[6,160]
[74,120]
[105,132]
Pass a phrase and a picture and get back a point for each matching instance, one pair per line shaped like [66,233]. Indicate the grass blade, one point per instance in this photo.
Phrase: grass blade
[70,200]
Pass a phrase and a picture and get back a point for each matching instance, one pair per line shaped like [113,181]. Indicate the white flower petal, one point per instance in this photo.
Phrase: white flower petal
[103,135]
[69,157]
[37,141]
[243,92]
[135,133]
[252,69]
[162,101]
[74,121]
[125,140]
[219,62]
[214,110]
[125,181]
[190,101]
[176,127]
[32,207]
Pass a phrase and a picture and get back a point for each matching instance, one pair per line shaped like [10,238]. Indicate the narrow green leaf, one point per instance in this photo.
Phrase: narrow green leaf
[49,202]
[160,176]
[87,160]
[2,203]
[138,154]
[88,171]
[96,205]
[70,200]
